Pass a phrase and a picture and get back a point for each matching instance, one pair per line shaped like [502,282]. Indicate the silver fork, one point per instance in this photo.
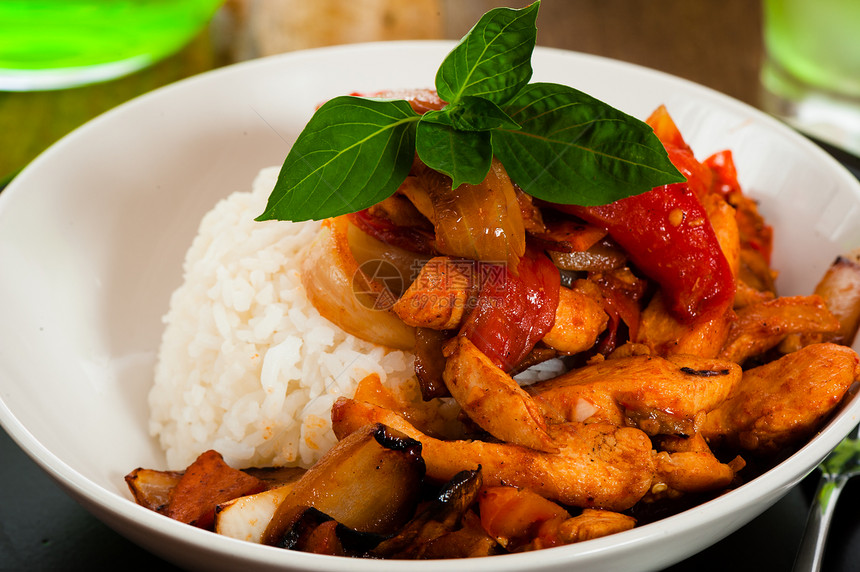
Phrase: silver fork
[840,465]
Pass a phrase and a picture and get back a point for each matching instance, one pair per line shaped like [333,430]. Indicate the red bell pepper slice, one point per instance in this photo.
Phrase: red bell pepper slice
[514,312]
[668,236]
[698,175]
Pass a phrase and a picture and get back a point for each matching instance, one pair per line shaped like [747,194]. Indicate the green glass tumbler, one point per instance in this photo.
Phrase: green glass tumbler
[54,44]
[811,73]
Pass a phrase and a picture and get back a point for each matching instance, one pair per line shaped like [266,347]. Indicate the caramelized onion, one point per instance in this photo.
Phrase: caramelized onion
[345,295]
[480,222]
[404,264]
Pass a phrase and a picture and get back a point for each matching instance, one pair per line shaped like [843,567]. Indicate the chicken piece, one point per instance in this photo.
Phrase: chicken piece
[598,465]
[840,289]
[724,222]
[688,465]
[579,318]
[438,418]
[521,520]
[785,400]
[593,523]
[660,395]
[492,398]
[762,326]
[439,297]
[746,295]
[667,336]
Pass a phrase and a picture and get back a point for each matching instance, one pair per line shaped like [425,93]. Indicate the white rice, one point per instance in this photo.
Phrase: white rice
[247,366]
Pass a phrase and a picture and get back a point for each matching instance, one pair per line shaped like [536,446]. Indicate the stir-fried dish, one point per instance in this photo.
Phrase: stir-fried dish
[611,364]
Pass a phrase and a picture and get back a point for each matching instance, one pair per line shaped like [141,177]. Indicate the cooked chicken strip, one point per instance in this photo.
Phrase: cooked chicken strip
[593,523]
[688,465]
[785,400]
[598,465]
[665,335]
[724,222]
[441,294]
[762,326]
[660,395]
[579,318]
[492,399]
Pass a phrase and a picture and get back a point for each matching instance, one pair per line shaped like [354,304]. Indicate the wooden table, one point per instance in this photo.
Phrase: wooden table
[713,42]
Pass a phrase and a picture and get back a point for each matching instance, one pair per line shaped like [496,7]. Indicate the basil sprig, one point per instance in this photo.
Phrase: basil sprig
[557,143]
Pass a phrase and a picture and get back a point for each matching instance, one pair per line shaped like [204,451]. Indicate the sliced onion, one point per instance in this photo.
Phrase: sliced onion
[480,222]
[343,294]
[583,410]
[404,264]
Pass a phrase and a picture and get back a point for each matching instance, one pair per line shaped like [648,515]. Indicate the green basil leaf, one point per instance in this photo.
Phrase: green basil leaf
[465,156]
[353,153]
[472,114]
[575,149]
[493,60]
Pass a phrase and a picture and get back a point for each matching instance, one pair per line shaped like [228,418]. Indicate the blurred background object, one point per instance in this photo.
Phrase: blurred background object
[811,71]
[52,44]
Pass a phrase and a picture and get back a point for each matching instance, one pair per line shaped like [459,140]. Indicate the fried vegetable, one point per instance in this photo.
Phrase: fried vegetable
[208,482]
[667,234]
[565,235]
[440,517]
[151,488]
[468,541]
[345,295]
[430,362]
[478,222]
[247,517]
[514,516]
[369,481]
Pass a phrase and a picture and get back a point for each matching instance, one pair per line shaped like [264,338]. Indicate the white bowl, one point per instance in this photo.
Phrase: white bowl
[93,233]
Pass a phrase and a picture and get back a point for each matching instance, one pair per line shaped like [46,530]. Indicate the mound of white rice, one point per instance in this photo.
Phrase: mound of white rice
[247,366]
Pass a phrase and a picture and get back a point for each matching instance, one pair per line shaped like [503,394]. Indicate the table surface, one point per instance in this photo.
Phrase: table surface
[713,42]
